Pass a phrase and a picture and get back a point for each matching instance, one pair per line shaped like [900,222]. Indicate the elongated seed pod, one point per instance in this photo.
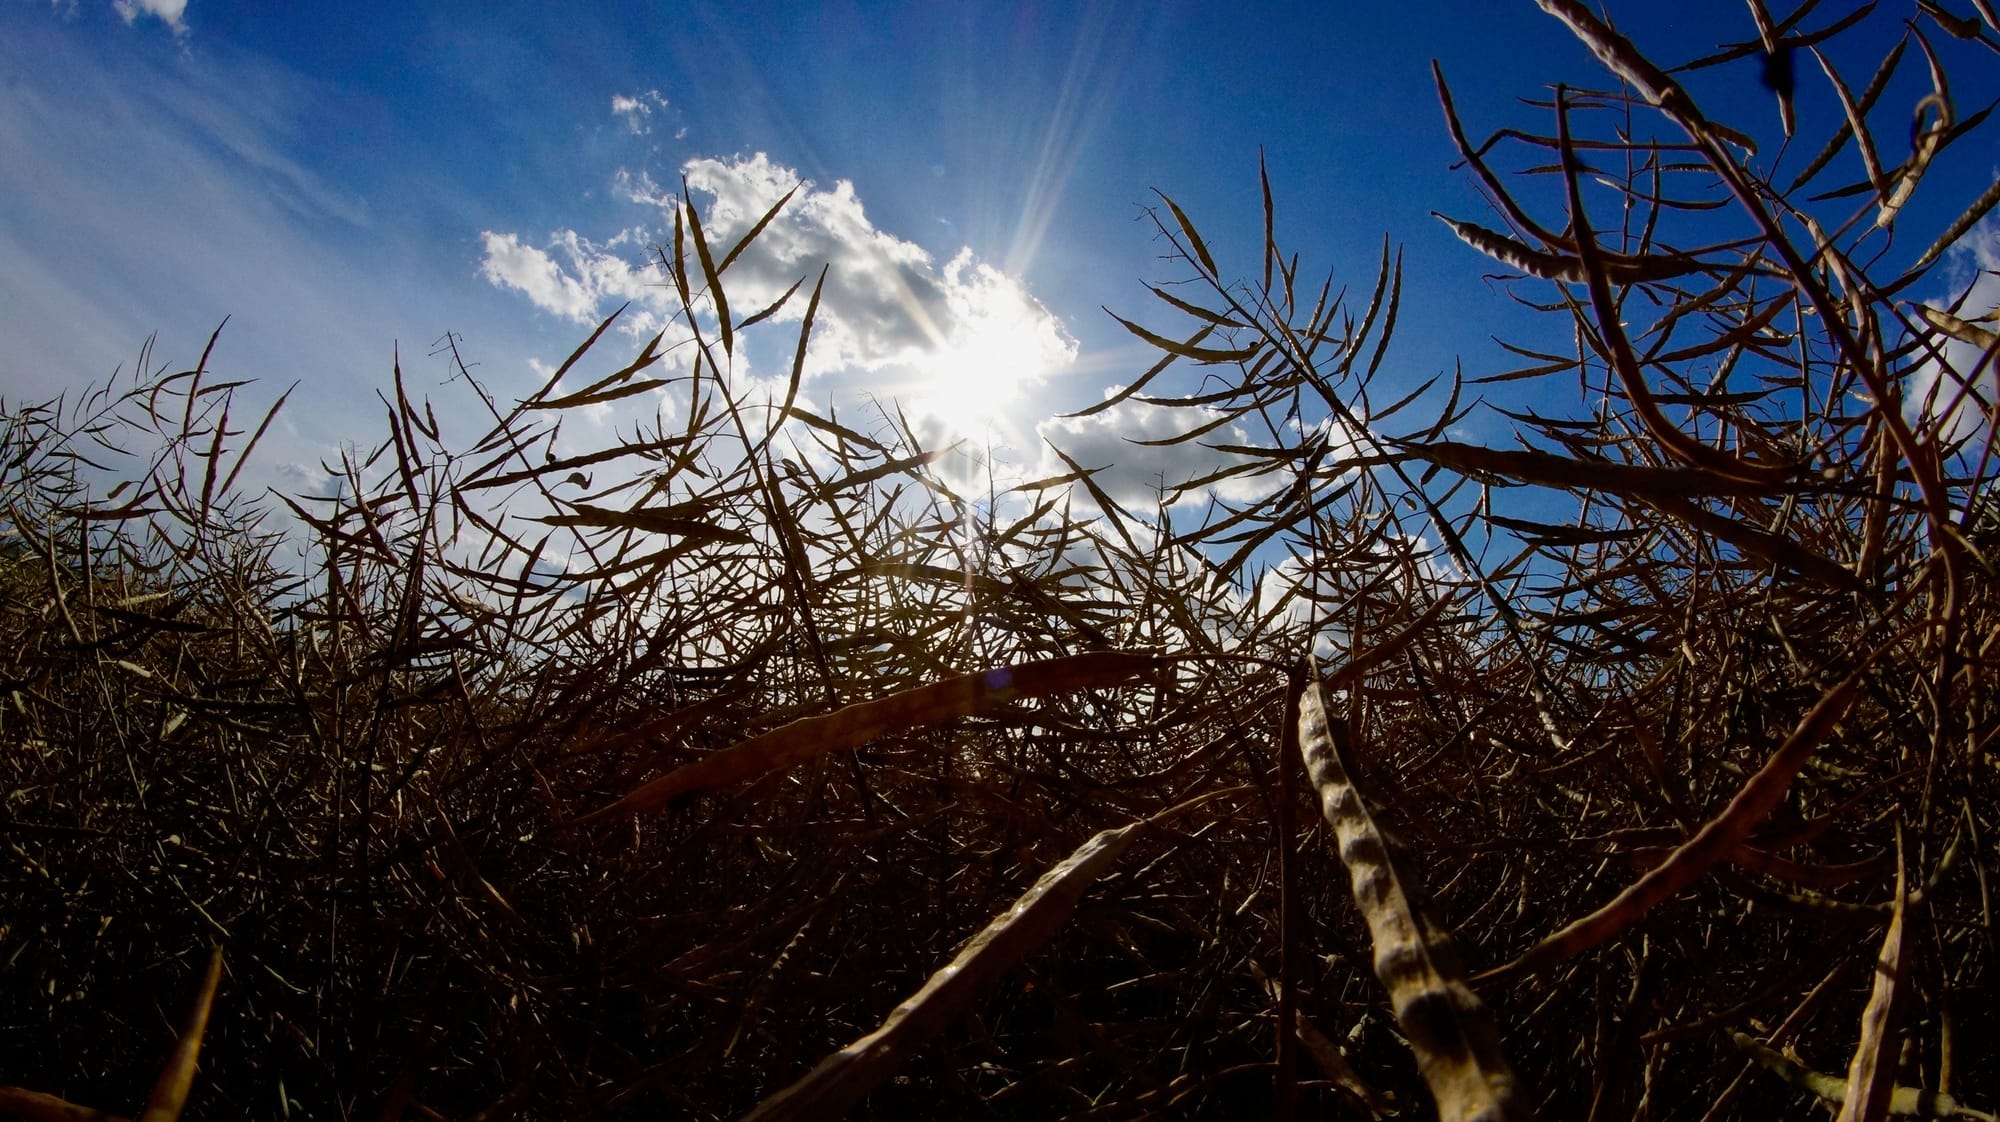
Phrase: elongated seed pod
[1450,1029]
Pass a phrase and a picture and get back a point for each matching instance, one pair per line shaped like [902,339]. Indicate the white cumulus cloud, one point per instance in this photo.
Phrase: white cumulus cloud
[886,301]
[535,274]
[1960,394]
[1134,473]
[889,309]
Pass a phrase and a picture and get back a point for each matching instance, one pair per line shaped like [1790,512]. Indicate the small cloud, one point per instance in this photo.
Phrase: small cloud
[173,13]
[633,110]
[636,110]
[641,189]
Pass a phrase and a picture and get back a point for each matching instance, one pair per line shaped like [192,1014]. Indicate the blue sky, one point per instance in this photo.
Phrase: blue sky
[342,180]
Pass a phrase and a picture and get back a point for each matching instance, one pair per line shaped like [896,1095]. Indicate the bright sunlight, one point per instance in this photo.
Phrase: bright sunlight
[999,345]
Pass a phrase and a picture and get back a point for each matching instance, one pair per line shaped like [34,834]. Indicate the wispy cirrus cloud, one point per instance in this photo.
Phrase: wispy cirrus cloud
[151,193]
[637,110]
[173,13]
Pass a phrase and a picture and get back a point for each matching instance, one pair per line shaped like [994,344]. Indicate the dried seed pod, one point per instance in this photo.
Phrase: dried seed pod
[1450,1029]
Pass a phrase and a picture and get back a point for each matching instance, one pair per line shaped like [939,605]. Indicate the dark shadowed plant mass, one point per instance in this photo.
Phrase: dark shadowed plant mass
[1640,764]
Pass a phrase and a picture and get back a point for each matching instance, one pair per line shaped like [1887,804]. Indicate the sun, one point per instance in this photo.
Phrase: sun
[975,385]
[997,348]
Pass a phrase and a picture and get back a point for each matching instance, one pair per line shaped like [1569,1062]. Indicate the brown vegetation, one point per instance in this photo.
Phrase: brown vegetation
[524,798]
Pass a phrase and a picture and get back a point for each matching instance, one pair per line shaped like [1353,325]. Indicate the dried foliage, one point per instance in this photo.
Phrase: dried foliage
[659,779]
